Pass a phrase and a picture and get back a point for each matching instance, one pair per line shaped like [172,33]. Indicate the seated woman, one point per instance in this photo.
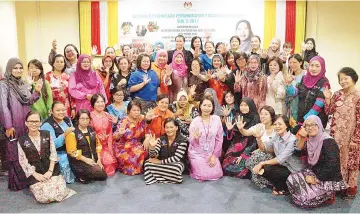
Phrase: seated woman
[84,148]
[167,156]
[59,127]
[322,176]
[162,112]
[205,143]
[241,146]
[101,122]
[129,135]
[229,109]
[184,112]
[265,131]
[118,108]
[278,169]
[38,159]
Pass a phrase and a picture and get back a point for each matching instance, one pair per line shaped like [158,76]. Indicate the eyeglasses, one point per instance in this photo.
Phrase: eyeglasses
[309,126]
[34,122]
[84,118]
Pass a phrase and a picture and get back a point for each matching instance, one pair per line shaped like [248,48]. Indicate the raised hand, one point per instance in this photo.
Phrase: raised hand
[122,82]
[225,69]
[226,110]
[259,132]
[237,76]
[94,50]
[303,46]
[264,53]
[168,71]
[39,85]
[30,78]
[114,120]
[288,77]
[240,122]
[327,93]
[197,52]
[229,124]
[208,74]
[54,45]
[192,90]
[122,129]
[146,79]
[195,133]
[152,140]
[150,114]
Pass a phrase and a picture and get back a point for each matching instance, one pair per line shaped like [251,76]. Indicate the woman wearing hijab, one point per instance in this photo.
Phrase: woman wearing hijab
[179,75]
[158,45]
[84,83]
[211,93]
[106,73]
[321,178]
[159,66]
[252,83]
[241,146]
[310,92]
[15,102]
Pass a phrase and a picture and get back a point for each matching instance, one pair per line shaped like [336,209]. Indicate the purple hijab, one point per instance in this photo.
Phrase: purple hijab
[309,80]
[86,77]
[179,69]
[314,144]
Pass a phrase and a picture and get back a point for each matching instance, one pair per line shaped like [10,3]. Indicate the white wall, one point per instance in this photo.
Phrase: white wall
[335,25]
[8,35]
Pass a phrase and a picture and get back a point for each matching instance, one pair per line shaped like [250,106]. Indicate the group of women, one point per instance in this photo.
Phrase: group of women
[259,115]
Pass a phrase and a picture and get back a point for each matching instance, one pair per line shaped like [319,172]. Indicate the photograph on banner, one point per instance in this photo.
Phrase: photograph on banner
[160,20]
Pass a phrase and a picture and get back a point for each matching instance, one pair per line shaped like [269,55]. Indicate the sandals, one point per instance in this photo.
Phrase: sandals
[278,193]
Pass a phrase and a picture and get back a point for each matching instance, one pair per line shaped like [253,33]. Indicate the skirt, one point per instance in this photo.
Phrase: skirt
[163,173]
[254,160]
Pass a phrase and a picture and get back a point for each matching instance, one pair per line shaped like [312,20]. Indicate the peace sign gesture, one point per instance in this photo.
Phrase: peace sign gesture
[39,85]
[229,124]
[264,53]
[327,93]
[94,50]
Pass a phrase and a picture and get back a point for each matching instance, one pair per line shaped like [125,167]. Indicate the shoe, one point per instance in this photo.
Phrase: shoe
[351,192]
[330,201]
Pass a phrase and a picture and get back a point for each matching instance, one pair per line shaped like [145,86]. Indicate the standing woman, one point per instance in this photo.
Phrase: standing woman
[121,78]
[297,72]
[309,50]
[71,54]
[167,156]
[205,143]
[38,159]
[241,147]
[344,105]
[220,48]
[198,79]
[196,46]
[84,83]
[218,78]
[206,58]
[15,102]
[235,44]
[158,45]
[44,103]
[310,92]
[144,83]
[102,122]
[84,150]
[129,138]
[179,77]
[59,82]
[275,93]
[106,73]
[59,127]
[162,70]
[252,83]
[321,178]
[230,60]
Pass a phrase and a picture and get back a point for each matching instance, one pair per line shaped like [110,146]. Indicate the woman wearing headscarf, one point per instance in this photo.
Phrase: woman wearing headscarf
[162,70]
[179,75]
[310,92]
[15,102]
[252,83]
[321,178]
[218,110]
[344,105]
[158,45]
[84,83]
[241,146]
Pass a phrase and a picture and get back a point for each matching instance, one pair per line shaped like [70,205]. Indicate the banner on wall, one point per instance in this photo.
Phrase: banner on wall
[163,20]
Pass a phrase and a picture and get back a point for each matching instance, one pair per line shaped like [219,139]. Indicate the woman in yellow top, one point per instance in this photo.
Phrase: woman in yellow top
[84,148]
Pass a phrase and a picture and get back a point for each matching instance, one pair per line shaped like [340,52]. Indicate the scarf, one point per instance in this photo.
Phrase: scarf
[187,108]
[271,53]
[86,77]
[179,69]
[309,54]
[254,75]
[252,117]
[314,144]
[158,64]
[309,80]
[218,110]
[111,69]
[20,87]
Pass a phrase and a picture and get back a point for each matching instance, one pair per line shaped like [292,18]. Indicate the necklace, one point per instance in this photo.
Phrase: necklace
[207,132]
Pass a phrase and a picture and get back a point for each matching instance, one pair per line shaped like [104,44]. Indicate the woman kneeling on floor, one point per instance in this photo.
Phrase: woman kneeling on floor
[38,159]
[167,156]
[322,176]
[84,149]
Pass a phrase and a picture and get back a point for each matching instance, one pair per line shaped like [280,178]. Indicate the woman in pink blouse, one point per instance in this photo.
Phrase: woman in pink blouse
[205,143]
[84,83]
